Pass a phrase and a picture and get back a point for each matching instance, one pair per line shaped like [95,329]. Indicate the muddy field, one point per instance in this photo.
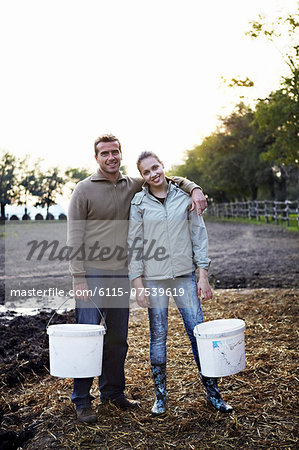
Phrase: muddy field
[35,410]
[252,256]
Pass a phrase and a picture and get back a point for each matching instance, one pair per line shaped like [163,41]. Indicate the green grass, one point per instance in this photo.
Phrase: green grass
[281,223]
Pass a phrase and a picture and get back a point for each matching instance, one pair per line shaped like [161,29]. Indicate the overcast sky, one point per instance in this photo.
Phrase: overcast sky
[148,71]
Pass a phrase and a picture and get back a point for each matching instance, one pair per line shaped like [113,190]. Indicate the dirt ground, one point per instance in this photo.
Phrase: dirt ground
[243,256]
[252,256]
[260,266]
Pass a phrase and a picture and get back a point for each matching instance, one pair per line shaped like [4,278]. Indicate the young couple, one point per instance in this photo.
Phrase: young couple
[160,211]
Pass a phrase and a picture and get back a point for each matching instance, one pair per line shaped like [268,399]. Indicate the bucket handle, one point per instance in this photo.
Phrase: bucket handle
[103,322]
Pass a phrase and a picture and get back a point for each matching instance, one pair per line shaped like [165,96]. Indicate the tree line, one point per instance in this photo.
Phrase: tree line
[21,182]
[254,153]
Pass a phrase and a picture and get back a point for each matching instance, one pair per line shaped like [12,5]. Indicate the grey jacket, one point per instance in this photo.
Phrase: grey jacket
[165,240]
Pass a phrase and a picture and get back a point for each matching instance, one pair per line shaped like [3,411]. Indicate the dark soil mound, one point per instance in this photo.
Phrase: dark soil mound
[24,346]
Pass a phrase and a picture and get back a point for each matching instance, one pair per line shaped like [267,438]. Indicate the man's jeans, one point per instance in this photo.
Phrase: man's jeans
[115,309]
[189,306]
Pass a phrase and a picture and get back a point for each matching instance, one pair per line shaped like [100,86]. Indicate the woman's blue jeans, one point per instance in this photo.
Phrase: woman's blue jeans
[116,313]
[189,306]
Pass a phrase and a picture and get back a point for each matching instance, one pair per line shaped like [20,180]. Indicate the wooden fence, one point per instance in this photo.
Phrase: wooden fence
[269,209]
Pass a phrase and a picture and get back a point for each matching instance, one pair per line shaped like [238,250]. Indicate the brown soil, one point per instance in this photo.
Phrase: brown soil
[35,411]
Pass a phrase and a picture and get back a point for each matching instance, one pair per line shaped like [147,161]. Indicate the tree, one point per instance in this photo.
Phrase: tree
[215,165]
[254,152]
[76,174]
[227,163]
[49,185]
[7,180]
[27,181]
[278,117]
[123,169]
[283,26]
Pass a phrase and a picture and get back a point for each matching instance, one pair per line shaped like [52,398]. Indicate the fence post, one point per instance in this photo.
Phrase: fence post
[275,213]
[249,210]
[225,213]
[266,211]
[287,211]
[257,210]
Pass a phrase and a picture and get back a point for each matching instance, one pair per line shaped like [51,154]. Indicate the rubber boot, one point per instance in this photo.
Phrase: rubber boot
[159,375]
[214,396]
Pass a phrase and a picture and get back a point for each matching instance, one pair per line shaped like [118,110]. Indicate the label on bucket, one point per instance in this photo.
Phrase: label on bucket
[222,357]
[230,344]
[216,344]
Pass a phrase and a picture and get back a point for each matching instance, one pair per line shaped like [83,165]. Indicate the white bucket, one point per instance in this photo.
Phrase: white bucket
[76,350]
[221,347]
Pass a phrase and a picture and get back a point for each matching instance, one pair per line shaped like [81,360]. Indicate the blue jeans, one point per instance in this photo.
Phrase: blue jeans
[112,379]
[184,291]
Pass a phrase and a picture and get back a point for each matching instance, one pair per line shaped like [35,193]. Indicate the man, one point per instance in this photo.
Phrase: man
[98,221]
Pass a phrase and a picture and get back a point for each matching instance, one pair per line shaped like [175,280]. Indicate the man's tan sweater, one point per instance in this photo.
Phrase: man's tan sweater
[98,221]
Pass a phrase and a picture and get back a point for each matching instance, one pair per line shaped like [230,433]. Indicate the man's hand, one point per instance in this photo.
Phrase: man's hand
[80,291]
[142,299]
[199,201]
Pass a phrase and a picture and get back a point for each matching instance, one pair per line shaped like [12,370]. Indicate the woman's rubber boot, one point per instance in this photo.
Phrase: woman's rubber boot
[214,396]
[159,375]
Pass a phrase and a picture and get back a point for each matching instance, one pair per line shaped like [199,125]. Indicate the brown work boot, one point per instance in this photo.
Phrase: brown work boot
[122,402]
[86,415]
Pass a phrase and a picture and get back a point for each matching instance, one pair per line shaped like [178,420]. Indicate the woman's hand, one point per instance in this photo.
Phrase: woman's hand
[142,299]
[203,286]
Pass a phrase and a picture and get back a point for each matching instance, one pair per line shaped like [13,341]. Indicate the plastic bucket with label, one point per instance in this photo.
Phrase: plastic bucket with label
[221,347]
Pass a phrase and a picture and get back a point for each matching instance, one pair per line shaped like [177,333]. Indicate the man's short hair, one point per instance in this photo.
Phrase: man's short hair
[105,138]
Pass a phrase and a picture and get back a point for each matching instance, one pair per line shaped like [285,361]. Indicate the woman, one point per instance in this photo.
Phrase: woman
[166,243]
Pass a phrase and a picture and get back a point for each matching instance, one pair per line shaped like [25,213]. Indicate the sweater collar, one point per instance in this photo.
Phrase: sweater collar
[98,176]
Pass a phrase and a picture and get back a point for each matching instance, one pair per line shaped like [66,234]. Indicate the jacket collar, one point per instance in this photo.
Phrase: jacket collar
[171,185]
[98,176]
